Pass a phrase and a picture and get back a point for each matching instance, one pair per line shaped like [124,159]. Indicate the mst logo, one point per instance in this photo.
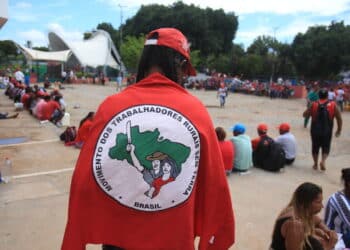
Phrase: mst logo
[147,158]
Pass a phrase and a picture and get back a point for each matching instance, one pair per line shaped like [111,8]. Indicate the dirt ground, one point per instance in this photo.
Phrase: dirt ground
[33,207]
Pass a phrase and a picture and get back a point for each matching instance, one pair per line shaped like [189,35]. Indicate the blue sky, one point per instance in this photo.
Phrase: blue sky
[33,19]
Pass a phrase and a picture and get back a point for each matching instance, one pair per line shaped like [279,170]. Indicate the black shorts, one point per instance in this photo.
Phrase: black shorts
[321,141]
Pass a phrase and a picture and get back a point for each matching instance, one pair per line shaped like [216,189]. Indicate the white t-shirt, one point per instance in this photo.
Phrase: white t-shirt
[331,95]
[340,95]
[19,76]
[289,144]
[222,92]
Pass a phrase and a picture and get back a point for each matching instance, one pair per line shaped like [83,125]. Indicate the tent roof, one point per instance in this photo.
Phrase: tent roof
[96,51]
[60,56]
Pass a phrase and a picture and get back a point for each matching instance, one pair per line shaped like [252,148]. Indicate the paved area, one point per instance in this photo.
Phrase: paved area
[33,206]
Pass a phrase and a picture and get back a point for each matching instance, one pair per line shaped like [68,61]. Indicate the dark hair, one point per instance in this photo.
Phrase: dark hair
[305,194]
[88,116]
[57,98]
[323,93]
[262,132]
[220,133]
[175,170]
[301,202]
[167,59]
[345,175]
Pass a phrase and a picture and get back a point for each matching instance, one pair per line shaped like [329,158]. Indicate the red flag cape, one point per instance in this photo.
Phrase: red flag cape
[107,203]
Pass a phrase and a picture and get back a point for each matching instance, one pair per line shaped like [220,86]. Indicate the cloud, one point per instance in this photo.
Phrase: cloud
[66,34]
[38,38]
[247,37]
[63,18]
[251,6]
[23,5]
[23,17]
[289,7]
[22,12]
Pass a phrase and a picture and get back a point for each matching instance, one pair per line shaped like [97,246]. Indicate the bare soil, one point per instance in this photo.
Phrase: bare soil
[33,207]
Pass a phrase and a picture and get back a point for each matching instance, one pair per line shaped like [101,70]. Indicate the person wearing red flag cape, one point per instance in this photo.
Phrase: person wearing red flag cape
[152,159]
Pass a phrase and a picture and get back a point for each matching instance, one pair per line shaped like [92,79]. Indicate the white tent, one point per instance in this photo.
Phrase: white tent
[98,50]
[35,55]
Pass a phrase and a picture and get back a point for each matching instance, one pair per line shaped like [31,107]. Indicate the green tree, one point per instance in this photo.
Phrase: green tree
[8,47]
[8,51]
[131,50]
[252,65]
[88,35]
[210,31]
[323,51]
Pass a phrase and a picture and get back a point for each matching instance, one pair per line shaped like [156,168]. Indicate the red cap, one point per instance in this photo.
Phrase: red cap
[262,127]
[285,127]
[174,39]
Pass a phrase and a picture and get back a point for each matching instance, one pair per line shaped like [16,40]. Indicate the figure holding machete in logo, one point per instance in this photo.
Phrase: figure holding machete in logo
[149,175]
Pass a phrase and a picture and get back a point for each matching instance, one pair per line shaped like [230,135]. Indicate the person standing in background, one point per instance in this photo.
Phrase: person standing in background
[312,96]
[323,113]
[340,98]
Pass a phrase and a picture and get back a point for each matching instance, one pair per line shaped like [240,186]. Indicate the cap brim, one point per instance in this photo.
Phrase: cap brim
[190,70]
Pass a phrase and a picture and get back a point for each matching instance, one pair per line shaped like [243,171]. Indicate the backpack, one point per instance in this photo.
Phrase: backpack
[323,124]
[269,155]
[276,158]
[69,134]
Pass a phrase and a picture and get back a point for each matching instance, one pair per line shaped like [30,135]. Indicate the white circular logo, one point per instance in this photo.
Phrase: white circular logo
[147,158]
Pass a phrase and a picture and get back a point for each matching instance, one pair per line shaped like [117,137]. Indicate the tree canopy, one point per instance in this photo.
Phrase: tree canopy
[323,51]
[209,31]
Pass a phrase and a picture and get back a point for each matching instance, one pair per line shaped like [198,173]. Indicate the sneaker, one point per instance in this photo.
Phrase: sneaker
[44,121]
[59,124]
[245,172]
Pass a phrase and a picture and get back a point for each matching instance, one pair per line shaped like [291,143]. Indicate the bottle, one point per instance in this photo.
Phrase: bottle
[6,171]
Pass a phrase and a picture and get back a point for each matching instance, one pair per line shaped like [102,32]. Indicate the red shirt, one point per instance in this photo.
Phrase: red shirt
[331,106]
[83,131]
[227,153]
[255,143]
[49,108]
[154,106]
[25,99]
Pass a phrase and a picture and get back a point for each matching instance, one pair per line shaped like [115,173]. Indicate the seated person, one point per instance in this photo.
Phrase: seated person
[52,111]
[6,115]
[38,106]
[227,149]
[298,227]
[288,142]
[261,145]
[83,131]
[26,97]
[337,215]
[47,83]
[243,149]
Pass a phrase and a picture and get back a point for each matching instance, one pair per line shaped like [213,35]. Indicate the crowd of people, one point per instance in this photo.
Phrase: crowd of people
[165,60]
[43,104]
[134,171]
[262,152]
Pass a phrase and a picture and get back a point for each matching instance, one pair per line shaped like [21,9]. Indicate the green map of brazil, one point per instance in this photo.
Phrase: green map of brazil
[146,143]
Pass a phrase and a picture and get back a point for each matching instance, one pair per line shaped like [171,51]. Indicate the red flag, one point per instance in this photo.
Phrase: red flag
[150,174]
